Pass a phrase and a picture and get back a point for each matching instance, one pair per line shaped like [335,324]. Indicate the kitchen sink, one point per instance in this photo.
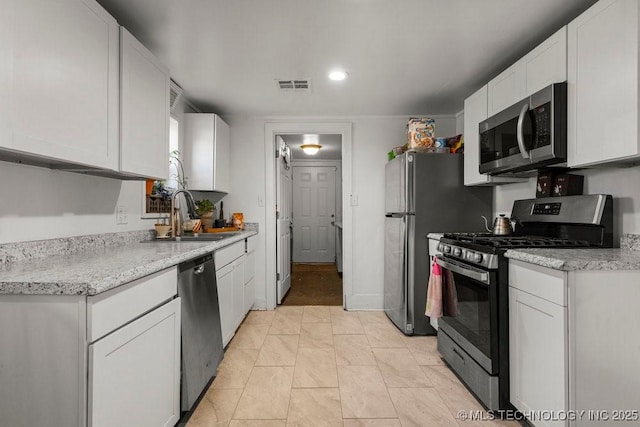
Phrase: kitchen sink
[198,237]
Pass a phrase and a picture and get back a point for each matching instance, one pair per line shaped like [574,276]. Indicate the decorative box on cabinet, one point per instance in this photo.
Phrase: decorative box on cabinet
[475,111]
[206,152]
[603,90]
[61,54]
[144,110]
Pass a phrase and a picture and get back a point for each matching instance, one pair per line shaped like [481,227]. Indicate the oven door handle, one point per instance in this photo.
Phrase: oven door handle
[456,268]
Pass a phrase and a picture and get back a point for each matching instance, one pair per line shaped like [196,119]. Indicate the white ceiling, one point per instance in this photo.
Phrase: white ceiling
[331,147]
[403,57]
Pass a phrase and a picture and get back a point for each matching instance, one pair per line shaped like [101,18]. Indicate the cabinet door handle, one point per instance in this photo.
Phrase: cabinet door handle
[199,269]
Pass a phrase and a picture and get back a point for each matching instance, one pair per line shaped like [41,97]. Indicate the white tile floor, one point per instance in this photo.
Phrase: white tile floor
[323,366]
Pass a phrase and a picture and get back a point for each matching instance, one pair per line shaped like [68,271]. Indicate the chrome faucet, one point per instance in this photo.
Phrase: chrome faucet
[176,229]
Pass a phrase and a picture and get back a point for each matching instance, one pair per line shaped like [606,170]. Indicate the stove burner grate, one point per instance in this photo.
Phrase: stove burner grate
[486,239]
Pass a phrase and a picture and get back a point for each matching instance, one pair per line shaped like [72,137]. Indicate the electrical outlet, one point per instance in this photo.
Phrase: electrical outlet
[354,200]
[121,215]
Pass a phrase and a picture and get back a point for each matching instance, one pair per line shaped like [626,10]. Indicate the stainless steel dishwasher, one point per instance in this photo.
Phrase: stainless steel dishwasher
[202,348]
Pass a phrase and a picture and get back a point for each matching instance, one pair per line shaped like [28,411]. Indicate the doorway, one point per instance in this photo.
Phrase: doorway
[272,129]
[309,208]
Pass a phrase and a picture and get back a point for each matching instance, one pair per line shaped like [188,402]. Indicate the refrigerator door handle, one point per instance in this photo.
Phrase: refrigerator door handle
[409,184]
[409,269]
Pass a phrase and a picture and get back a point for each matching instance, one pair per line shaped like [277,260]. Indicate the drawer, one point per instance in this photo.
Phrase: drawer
[109,310]
[485,386]
[542,282]
[229,253]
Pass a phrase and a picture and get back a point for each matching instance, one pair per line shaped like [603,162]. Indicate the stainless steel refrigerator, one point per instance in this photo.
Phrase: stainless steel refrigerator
[424,193]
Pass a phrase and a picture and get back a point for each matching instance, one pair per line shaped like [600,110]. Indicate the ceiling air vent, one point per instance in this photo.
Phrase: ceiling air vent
[175,95]
[301,85]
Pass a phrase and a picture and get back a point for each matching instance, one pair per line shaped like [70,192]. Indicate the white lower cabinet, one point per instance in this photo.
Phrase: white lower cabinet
[230,276]
[134,373]
[224,279]
[238,291]
[249,274]
[572,345]
[538,357]
[111,359]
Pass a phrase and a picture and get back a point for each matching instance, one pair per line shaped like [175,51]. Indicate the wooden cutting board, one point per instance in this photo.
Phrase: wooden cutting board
[221,230]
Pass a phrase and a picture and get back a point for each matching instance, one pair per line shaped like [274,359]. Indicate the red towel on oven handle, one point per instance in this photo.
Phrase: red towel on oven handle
[434,292]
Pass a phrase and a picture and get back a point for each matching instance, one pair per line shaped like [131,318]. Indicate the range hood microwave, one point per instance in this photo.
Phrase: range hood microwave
[528,135]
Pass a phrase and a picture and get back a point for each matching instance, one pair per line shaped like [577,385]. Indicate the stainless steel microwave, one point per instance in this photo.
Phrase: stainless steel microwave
[530,134]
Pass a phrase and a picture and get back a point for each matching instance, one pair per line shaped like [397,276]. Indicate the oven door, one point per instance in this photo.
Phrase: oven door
[475,329]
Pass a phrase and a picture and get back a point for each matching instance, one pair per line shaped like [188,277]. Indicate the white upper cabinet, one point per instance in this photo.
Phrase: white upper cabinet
[505,89]
[603,84]
[59,81]
[144,110]
[544,65]
[206,152]
[475,111]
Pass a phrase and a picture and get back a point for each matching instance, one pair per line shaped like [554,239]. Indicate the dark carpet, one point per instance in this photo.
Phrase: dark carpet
[314,284]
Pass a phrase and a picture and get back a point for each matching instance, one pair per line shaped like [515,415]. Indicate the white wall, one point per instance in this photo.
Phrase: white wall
[39,203]
[373,137]
[621,183]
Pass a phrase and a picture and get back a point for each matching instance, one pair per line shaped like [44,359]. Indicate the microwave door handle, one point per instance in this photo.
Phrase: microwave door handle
[519,133]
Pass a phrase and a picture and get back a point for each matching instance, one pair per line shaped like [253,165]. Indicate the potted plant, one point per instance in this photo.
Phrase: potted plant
[205,209]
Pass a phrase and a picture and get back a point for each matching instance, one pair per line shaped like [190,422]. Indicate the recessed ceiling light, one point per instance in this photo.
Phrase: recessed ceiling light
[337,75]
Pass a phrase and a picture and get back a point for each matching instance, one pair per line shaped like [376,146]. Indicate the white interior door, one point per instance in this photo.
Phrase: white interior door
[283,219]
[314,208]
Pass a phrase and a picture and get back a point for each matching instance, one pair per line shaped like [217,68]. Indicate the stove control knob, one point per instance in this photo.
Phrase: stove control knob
[440,246]
[446,249]
[477,257]
[457,251]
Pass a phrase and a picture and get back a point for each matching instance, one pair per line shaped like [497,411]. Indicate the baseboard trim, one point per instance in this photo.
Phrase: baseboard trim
[365,302]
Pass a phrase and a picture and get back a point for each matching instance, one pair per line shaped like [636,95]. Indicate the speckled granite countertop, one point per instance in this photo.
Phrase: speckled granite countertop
[579,259]
[94,271]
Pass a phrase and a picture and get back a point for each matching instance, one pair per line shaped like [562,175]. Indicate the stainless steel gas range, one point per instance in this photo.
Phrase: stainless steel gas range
[475,343]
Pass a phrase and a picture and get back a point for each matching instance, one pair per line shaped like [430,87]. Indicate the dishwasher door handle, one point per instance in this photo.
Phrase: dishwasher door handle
[199,269]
